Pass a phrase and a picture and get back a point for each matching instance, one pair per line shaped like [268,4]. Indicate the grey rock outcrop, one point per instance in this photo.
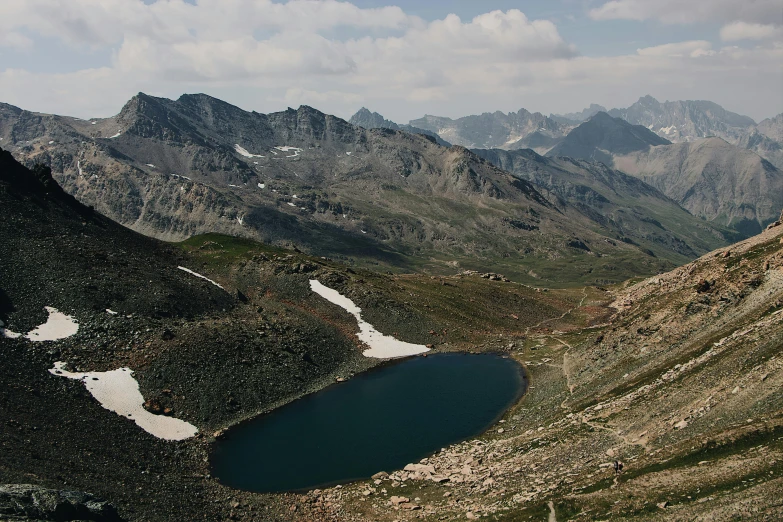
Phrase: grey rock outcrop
[25,502]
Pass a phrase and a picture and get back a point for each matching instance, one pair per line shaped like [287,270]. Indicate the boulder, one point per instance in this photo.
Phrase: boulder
[420,468]
[26,501]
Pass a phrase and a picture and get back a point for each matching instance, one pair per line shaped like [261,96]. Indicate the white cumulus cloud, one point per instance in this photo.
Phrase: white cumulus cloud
[736,31]
[336,56]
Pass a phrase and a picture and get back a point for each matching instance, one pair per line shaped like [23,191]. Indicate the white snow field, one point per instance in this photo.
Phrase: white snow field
[285,148]
[57,326]
[191,272]
[118,391]
[381,346]
[119,133]
[243,152]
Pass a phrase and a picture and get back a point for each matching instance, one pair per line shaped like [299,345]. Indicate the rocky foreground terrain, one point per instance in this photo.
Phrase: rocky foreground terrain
[682,383]
[679,376]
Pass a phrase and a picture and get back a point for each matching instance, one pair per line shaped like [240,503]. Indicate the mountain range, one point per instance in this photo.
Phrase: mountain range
[675,121]
[372,120]
[175,168]
[711,178]
[727,182]
[514,130]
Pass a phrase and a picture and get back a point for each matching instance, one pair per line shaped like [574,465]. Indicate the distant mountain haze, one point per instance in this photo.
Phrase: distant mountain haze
[713,179]
[602,136]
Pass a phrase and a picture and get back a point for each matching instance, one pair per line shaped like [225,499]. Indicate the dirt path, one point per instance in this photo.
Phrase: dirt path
[552,516]
[581,302]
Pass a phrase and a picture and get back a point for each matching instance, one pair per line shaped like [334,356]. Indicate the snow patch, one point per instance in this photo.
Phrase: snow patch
[347,153]
[381,346]
[8,334]
[93,123]
[235,186]
[57,326]
[191,272]
[118,391]
[79,168]
[291,204]
[111,312]
[243,151]
[51,142]
[240,220]
[150,165]
[261,185]
[119,133]
[285,148]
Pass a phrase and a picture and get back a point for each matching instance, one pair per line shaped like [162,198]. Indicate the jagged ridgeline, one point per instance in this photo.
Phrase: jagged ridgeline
[172,169]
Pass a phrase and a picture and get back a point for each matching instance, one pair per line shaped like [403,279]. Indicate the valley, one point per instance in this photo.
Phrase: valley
[663,373]
[360,261]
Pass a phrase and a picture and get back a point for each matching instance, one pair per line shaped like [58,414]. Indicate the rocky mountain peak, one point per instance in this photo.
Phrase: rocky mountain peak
[602,136]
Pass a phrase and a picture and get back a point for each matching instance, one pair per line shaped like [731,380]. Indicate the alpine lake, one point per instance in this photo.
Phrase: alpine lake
[379,420]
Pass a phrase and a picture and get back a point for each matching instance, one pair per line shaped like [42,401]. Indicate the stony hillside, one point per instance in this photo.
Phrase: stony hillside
[713,179]
[681,383]
[636,212]
[602,136]
[209,352]
[514,130]
[172,169]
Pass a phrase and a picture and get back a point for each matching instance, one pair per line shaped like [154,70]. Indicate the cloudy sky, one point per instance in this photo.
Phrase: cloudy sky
[403,58]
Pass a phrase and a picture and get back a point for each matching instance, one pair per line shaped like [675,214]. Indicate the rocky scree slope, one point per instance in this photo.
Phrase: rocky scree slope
[172,169]
[682,384]
[30,503]
[636,212]
[205,355]
[714,180]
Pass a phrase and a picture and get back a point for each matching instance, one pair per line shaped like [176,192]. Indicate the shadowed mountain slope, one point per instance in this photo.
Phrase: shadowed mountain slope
[602,136]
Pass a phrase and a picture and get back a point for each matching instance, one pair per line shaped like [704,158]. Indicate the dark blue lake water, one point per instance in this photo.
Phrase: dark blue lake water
[380,420]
